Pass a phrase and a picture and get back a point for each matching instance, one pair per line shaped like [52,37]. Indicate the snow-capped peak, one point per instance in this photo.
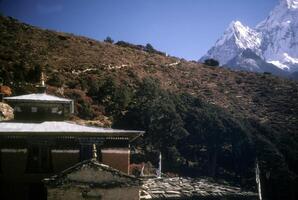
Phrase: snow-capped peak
[284,13]
[275,40]
[235,39]
[244,36]
[279,44]
[229,33]
[291,4]
[234,25]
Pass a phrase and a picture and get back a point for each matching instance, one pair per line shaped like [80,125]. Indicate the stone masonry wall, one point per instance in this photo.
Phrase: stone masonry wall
[84,192]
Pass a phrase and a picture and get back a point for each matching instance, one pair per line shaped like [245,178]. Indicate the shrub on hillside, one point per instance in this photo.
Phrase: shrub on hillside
[83,103]
[109,40]
[211,62]
[148,48]
[56,80]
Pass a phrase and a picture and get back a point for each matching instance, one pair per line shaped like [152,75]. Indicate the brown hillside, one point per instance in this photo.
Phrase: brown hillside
[267,98]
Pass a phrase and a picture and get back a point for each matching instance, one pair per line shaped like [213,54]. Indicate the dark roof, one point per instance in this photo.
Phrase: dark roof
[68,176]
[189,188]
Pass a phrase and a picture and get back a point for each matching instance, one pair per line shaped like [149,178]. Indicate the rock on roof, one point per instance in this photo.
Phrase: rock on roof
[188,188]
[5,90]
[38,97]
[6,112]
[93,173]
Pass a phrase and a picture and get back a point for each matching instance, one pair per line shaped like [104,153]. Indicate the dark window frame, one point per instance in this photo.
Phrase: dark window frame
[39,159]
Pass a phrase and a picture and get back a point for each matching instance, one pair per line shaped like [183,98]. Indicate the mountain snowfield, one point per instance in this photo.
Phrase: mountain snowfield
[274,40]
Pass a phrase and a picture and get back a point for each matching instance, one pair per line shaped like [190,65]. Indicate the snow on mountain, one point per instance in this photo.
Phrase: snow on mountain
[244,36]
[275,39]
[280,35]
[283,14]
[235,39]
[292,4]
[250,61]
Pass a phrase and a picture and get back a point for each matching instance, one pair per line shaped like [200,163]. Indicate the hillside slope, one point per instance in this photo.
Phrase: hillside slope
[206,120]
[269,99]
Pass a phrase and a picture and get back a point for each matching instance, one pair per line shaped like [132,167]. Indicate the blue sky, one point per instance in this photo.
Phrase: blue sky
[182,28]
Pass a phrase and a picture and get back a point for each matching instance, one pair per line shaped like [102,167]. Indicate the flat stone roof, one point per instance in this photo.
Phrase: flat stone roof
[38,97]
[189,188]
[56,128]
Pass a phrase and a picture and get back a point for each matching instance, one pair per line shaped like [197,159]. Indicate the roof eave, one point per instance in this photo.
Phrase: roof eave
[39,101]
[131,136]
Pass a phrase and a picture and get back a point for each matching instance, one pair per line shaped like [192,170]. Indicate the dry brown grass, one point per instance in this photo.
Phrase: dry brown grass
[267,98]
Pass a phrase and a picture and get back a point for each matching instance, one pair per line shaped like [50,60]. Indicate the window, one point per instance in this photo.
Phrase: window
[17,109]
[55,110]
[39,159]
[34,109]
[85,152]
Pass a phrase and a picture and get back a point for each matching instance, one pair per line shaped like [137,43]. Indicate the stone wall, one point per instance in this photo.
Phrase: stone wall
[84,192]
[92,180]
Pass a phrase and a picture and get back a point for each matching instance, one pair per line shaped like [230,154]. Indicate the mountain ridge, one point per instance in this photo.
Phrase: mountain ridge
[274,39]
